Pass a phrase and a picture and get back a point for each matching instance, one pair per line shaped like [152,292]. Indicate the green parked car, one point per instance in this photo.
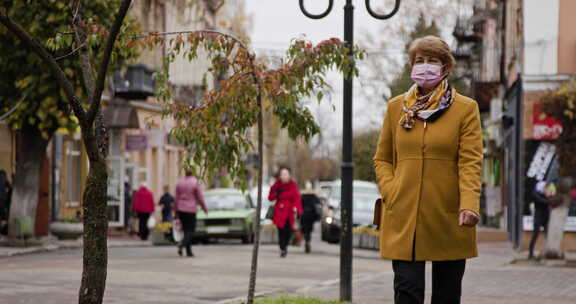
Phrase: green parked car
[230,215]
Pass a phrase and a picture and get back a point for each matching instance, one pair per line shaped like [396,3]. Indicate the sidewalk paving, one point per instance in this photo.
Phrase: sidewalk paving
[52,244]
[490,278]
[140,273]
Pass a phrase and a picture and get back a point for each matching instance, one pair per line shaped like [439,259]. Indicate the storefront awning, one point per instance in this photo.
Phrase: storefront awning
[121,117]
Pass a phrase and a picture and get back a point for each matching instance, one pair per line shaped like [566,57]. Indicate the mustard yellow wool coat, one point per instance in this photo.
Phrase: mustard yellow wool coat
[425,177]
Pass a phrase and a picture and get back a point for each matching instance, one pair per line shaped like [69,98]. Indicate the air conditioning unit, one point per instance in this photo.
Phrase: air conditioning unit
[137,83]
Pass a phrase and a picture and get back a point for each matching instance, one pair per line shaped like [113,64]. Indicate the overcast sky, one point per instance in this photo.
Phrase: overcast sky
[276,22]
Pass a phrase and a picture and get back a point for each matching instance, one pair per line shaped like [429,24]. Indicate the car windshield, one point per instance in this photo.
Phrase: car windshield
[335,192]
[219,201]
[364,197]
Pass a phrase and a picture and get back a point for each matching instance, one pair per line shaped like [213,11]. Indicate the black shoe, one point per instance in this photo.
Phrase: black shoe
[189,255]
[180,252]
[283,254]
[308,248]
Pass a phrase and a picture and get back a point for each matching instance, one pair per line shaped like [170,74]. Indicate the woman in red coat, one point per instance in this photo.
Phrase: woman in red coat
[285,193]
[143,206]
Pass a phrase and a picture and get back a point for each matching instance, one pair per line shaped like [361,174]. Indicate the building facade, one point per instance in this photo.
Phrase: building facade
[525,49]
[141,150]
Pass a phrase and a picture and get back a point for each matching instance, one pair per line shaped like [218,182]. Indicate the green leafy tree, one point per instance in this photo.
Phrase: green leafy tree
[28,85]
[91,41]
[216,132]
[364,149]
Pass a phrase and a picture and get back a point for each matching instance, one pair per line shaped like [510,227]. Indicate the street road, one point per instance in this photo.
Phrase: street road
[219,272]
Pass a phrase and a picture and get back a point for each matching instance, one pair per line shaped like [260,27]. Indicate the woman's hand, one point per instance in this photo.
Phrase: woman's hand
[468,218]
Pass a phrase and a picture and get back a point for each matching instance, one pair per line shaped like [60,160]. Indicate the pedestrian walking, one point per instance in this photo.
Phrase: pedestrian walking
[541,215]
[288,202]
[310,207]
[428,163]
[189,193]
[5,197]
[166,201]
[143,207]
[127,205]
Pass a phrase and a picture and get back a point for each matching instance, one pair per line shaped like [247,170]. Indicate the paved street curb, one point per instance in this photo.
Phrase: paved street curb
[11,251]
[257,295]
[6,252]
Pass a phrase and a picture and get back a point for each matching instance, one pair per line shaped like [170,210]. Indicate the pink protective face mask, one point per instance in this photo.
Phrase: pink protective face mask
[427,75]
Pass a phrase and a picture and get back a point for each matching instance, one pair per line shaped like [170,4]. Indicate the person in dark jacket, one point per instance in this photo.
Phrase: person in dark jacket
[127,204]
[285,193]
[310,206]
[167,202]
[5,194]
[541,215]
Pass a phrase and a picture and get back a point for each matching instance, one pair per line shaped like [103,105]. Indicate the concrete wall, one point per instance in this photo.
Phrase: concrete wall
[541,37]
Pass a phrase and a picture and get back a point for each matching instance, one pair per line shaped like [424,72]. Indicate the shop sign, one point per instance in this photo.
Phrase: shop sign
[136,142]
[545,127]
[541,161]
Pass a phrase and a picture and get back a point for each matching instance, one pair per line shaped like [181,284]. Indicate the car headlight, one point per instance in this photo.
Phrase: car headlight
[329,220]
[237,222]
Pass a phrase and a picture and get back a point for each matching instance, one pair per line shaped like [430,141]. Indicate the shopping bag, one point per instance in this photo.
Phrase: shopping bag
[177,233]
[151,222]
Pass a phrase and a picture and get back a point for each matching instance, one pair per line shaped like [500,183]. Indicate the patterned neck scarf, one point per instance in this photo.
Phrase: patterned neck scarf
[427,108]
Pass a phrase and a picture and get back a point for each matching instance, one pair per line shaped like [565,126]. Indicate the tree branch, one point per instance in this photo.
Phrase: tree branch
[76,49]
[39,50]
[103,68]
[80,37]
[238,40]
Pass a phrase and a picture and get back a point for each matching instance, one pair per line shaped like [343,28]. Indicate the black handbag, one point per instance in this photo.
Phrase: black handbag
[270,212]
[377,213]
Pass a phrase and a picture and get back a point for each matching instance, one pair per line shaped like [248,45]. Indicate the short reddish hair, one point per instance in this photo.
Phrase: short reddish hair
[435,47]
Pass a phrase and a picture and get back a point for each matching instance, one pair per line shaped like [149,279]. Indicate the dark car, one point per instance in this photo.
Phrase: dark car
[364,196]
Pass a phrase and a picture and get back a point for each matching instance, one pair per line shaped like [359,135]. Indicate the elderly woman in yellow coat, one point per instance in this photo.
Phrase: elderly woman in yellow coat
[428,163]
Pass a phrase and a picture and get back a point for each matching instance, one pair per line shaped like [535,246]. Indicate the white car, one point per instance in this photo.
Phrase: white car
[265,203]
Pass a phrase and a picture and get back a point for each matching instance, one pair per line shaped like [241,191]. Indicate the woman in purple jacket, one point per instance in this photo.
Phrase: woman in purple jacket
[188,195]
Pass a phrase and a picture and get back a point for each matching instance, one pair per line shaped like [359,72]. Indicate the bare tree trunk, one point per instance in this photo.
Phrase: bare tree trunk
[31,153]
[558,215]
[254,266]
[95,259]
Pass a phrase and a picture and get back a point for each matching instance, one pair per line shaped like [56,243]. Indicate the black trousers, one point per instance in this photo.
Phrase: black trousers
[143,230]
[535,233]
[284,236]
[409,281]
[188,221]
[307,227]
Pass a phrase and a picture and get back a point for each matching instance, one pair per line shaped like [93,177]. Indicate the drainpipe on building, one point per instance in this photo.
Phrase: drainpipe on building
[56,165]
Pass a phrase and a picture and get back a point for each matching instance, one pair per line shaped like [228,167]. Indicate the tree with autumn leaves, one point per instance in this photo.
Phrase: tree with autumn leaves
[215,132]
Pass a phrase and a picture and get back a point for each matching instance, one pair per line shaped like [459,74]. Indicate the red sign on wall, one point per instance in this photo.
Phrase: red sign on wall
[545,127]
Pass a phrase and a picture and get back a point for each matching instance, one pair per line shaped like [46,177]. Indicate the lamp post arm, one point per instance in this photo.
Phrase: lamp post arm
[316,16]
[379,16]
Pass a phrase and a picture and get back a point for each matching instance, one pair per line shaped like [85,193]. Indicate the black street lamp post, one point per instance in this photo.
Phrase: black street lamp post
[347,164]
